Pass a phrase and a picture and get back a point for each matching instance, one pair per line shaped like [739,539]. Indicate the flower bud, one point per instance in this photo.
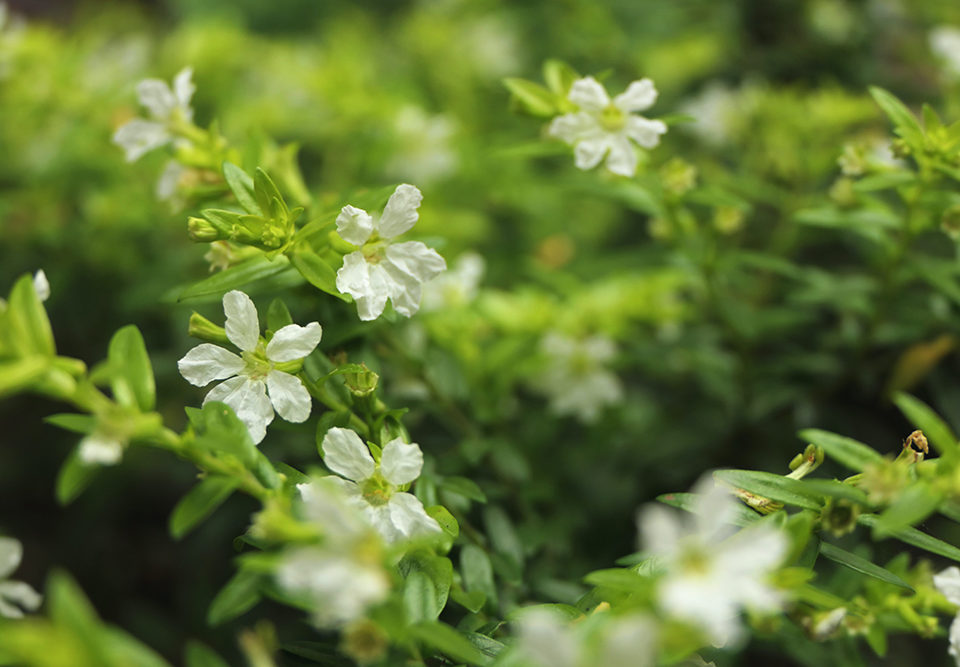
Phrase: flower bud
[362,381]
[839,517]
[202,328]
[202,230]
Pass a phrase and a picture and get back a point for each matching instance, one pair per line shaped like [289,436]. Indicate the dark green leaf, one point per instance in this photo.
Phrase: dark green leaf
[464,487]
[218,430]
[73,478]
[775,487]
[477,572]
[847,451]
[199,503]
[743,516]
[258,270]
[859,564]
[199,655]
[448,641]
[918,539]
[915,504]
[278,316]
[237,597]
[316,270]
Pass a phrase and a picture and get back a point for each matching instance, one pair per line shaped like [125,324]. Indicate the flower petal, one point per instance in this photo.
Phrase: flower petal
[354,225]
[11,553]
[955,638]
[400,213]
[294,342]
[946,581]
[243,327]
[332,502]
[249,401]
[545,639]
[345,454]
[574,127]
[401,462]
[588,153]
[183,90]
[589,94]
[367,284]
[408,266]
[661,530]
[96,449]
[157,97]
[409,517]
[622,159]
[644,131]
[289,397]
[638,96]
[20,594]
[138,136]
[41,285]
[208,362]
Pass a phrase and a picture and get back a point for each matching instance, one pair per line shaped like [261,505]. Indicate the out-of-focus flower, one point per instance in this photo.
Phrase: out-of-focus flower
[710,574]
[166,107]
[456,287]
[15,596]
[100,448]
[373,487]
[714,110]
[606,128]
[424,153]
[948,583]
[41,285]
[381,269]
[945,44]
[254,386]
[576,379]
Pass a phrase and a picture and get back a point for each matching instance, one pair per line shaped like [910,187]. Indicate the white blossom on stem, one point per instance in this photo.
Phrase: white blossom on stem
[166,105]
[373,487]
[254,384]
[15,596]
[712,575]
[381,269]
[605,128]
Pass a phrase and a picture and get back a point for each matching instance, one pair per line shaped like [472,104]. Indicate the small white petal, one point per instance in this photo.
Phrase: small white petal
[157,97]
[409,517]
[354,225]
[588,153]
[415,259]
[546,640]
[400,213]
[331,503]
[208,362]
[11,553]
[249,401]
[289,397]
[345,454]
[169,181]
[41,285]
[381,519]
[294,342]
[629,642]
[622,159]
[644,131]
[574,127]
[96,449]
[638,96]
[138,136]
[9,611]
[660,530]
[20,594]
[401,462]
[947,582]
[589,94]
[955,639]
[243,327]
[369,285]
[183,90]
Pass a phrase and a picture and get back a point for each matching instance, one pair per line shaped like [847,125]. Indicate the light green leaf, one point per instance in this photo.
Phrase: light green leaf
[743,516]
[420,598]
[199,655]
[19,374]
[450,642]
[904,122]
[915,504]
[218,430]
[316,270]
[464,487]
[199,503]
[847,451]
[532,97]
[131,375]
[860,564]
[238,596]
[29,327]
[275,272]
[73,478]
[775,487]
[242,186]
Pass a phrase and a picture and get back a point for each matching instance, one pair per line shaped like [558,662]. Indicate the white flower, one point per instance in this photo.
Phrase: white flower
[166,106]
[41,285]
[168,185]
[424,153]
[576,380]
[945,44]
[15,596]
[715,110]
[948,583]
[373,487]
[381,269]
[711,575]
[456,287]
[344,575]
[100,449]
[254,385]
[546,640]
[606,128]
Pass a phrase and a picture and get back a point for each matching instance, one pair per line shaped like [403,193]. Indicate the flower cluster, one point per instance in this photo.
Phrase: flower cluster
[166,106]
[605,128]
[255,383]
[381,269]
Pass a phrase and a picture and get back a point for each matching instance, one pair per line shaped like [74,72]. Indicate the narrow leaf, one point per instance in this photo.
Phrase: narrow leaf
[199,503]
[860,564]
[847,451]
[924,418]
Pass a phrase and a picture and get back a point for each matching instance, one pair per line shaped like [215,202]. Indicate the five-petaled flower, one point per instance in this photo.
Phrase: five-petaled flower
[710,574]
[166,107]
[381,269]
[255,382]
[15,596]
[605,127]
[374,487]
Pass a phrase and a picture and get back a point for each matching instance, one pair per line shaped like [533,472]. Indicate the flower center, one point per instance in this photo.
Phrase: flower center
[612,119]
[695,561]
[377,491]
[257,365]
[373,250]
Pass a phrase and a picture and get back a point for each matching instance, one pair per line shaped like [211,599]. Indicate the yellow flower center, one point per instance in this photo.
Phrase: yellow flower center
[612,119]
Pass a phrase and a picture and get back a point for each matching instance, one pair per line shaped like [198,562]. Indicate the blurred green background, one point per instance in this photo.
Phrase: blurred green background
[384,92]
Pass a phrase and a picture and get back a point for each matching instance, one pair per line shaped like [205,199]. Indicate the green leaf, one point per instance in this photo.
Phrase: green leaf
[265,191]
[447,522]
[68,606]
[438,572]
[618,579]
[131,375]
[242,186]
[200,502]
[199,655]
[19,374]
[743,516]
[72,422]
[847,451]
[503,536]
[73,478]
[928,421]
[532,97]
[885,181]
[278,316]
[834,489]
[559,77]
[218,430]
[860,564]
[775,487]
[448,641]
[464,487]
[420,598]
[273,272]
[238,596]
[917,538]
[915,504]
[316,270]
[477,572]
[904,122]
[30,331]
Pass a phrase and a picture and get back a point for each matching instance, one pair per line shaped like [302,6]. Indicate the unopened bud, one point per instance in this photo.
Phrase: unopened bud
[839,517]
[362,381]
[202,328]
[202,230]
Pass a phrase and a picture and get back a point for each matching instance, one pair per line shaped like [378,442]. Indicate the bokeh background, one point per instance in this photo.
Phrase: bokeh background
[722,361]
